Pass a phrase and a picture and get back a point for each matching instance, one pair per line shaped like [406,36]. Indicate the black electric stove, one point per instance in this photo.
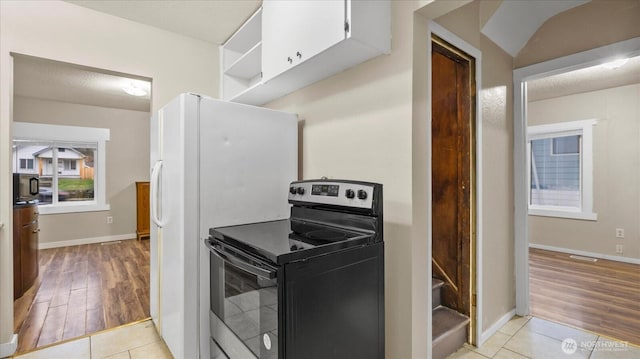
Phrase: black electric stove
[308,287]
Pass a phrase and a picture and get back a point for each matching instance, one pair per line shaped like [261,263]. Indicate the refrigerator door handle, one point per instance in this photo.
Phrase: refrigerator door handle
[155,200]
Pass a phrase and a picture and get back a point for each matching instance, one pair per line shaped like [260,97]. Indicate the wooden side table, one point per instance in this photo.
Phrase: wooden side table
[142,210]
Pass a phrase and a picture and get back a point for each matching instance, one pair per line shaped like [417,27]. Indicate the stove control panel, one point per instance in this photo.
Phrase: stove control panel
[325,190]
[338,193]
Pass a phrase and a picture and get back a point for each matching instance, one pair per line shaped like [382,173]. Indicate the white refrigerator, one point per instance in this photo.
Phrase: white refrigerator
[214,163]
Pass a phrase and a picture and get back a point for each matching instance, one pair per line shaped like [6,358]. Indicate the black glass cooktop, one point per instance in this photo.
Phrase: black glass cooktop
[285,240]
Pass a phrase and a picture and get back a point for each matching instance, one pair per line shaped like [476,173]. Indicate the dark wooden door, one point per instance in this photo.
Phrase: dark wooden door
[451,175]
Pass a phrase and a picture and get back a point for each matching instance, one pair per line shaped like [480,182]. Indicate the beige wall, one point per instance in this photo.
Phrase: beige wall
[127,162]
[595,24]
[616,162]
[358,125]
[64,32]
[496,96]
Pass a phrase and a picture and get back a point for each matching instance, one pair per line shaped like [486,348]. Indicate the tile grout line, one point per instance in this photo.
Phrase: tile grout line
[566,326]
[513,335]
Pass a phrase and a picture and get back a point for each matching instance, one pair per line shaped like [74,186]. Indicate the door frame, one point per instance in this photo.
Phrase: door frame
[580,60]
[439,31]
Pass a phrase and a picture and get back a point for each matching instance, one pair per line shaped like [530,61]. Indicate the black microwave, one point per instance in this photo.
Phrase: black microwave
[26,188]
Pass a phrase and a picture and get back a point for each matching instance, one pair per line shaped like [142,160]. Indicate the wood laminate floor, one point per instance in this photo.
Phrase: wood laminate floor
[84,289]
[602,297]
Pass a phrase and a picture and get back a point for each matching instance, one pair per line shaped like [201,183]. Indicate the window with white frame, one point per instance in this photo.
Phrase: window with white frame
[25,164]
[70,162]
[560,166]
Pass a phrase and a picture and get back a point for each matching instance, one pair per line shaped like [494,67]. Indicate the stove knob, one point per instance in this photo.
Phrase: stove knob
[362,194]
[300,190]
[349,193]
[292,190]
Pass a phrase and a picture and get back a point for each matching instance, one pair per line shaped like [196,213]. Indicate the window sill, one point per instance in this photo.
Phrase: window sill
[585,216]
[72,208]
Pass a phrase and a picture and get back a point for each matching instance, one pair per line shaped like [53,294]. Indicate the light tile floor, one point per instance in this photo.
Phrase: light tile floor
[535,338]
[134,341]
[520,338]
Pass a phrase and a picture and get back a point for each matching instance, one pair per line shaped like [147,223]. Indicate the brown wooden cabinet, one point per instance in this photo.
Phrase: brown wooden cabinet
[25,248]
[142,209]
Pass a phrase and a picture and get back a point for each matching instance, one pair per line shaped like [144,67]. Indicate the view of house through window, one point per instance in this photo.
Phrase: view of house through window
[72,176]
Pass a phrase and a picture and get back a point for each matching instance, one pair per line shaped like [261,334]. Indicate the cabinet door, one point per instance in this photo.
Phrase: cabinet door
[142,209]
[29,255]
[17,269]
[294,31]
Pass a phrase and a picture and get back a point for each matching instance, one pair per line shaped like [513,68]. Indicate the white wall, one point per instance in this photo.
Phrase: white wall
[357,125]
[64,32]
[616,162]
[127,162]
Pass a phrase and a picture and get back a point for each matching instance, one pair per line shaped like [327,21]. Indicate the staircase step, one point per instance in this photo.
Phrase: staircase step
[436,285]
[449,331]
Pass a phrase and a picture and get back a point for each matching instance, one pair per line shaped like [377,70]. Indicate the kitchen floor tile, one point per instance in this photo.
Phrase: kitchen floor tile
[537,346]
[122,339]
[490,347]
[156,350]
[613,349]
[466,353]
[508,354]
[558,331]
[123,355]
[514,325]
[77,349]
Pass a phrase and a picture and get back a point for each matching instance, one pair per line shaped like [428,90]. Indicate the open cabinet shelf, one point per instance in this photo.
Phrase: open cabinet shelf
[242,58]
[248,65]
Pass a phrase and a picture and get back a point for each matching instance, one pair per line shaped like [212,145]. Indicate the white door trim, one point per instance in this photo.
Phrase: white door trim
[446,35]
[627,48]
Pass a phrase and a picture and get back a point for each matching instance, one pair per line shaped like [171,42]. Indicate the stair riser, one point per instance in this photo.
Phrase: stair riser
[450,343]
[436,299]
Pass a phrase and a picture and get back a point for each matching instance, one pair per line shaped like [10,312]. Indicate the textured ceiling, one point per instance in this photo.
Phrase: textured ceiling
[209,20]
[57,81]
[584,80]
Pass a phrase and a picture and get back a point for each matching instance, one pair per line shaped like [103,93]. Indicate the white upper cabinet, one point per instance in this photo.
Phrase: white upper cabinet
[289,44]
[241,59]
[294,31]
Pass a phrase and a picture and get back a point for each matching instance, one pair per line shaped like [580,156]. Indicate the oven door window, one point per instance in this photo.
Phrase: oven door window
[248,305]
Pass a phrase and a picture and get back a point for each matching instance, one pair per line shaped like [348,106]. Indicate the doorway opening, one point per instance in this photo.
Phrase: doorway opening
[79,269]
[567,247]
[453,175]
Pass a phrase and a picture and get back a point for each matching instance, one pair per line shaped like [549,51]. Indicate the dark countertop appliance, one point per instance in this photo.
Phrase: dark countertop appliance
[26,188]
[311,286]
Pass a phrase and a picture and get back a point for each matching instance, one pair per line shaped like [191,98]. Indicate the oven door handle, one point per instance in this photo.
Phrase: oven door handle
[219,250]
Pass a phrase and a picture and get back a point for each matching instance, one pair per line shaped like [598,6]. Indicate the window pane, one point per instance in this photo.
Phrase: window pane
[566,145]
[23,155]
[75,174]
[555,180]
[46,190]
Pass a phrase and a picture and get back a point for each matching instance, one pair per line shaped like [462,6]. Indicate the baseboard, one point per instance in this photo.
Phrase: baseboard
[79,241]
[7,349]
[586,254]
[496,326]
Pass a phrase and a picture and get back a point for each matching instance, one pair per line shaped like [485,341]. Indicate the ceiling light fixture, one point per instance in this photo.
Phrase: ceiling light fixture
[611,65]
[134,90]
